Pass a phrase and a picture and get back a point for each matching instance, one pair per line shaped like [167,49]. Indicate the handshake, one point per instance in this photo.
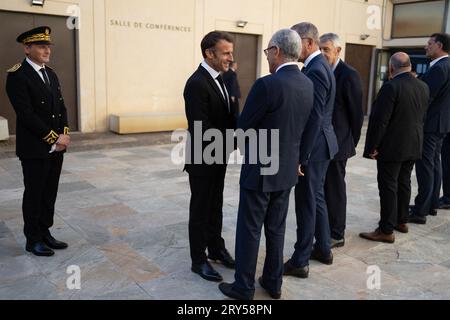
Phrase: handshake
[62,143]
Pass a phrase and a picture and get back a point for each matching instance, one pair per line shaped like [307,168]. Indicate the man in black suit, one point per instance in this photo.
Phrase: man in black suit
[348,118]
[394,139]
[41,138]
[444,201]
[232,84]
[208,107]
[437,126]
[279,102]
[317,148]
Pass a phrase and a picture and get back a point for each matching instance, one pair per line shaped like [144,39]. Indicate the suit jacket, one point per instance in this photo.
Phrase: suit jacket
[348,116]
[281,101]
[319,141]
[41,113]
[205,103]
[397,118]
[232,84]
[438,80]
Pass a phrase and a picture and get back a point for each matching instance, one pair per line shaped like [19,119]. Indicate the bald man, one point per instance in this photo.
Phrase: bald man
[394,139]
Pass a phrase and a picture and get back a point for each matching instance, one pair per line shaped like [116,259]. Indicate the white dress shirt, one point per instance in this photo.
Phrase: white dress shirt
[432,63]
[286,64]
[336,64]
[37,68]
[312,56]
[214,74]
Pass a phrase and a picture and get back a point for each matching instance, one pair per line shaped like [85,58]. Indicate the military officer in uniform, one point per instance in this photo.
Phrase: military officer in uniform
[42,137]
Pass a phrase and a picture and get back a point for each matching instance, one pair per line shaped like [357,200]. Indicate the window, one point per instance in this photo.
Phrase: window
[420,19]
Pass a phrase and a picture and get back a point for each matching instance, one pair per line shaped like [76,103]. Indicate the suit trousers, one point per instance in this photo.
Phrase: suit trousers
[394,185]
[255,210]
[205,214]
[445,157]
[336,198]
[429,175]
[41,180]
[312,214]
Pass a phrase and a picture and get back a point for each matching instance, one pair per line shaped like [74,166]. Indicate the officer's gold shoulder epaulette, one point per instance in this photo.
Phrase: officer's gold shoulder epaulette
[14,68]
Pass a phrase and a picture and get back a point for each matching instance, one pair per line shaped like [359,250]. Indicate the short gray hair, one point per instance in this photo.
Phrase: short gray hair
[307,30]
[333,37]
[289,43]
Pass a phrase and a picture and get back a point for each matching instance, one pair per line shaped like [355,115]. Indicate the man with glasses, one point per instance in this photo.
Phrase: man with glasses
[318,146]
[279,102]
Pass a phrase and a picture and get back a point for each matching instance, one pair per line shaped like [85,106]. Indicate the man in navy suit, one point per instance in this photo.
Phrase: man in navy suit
[317,148]
[348,119]
[444,201]
[437,125]
[280,102]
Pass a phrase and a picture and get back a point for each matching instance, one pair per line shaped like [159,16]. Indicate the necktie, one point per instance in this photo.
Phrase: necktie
[222,85]
[46,80]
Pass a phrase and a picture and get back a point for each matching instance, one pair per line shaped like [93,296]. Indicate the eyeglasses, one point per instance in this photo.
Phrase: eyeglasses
[266,51]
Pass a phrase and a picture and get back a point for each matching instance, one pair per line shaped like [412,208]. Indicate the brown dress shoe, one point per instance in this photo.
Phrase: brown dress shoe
[378,235]
[402,227]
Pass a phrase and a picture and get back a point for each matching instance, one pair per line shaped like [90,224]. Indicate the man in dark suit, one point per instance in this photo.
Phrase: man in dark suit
[317,148]
[348,118]
[279,102]
[394,139]
[208,107]
[437,125]
[232,84]
[444,201]
[41,138]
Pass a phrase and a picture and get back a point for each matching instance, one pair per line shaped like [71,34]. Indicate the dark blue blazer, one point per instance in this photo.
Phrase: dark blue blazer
[438,80]
[319,141]
[348,116]
[280,101]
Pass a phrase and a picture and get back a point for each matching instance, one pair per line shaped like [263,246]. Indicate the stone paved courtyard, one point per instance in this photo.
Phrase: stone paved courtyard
[124,213]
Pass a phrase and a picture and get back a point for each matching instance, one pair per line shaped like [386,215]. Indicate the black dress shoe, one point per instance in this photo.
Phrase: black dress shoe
[227,289]
[417,219]
[433,212]
[272,294]
[40,249]
[54,244]
[324,258]
[207,272]
[290,270]
[224,258]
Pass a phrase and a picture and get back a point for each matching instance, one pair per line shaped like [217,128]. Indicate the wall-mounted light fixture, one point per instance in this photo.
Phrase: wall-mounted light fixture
[241,24]
[364,36]
[37,3]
